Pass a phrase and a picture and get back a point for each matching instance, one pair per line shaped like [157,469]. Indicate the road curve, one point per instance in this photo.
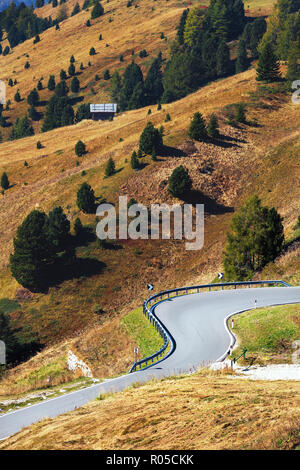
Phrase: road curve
[197,323]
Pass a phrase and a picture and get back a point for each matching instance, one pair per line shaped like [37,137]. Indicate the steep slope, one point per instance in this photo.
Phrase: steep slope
[259,156]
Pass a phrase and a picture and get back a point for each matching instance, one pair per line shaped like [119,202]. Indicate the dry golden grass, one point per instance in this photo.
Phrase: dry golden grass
[36,374]
[52,178]
[131,29]
[203,411]
[239,169]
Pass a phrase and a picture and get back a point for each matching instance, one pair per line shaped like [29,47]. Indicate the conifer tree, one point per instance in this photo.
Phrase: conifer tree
[181,26]
[256,238]
[97,11]
[223,60]
[197,129]
[33,252]
[86,198]
[242,60]
[179,182]
[63,75]
[110,167]
[240,113]
[153,83]
[213,126]
[150,140]
[51,83]
[293,67]
[80,148]
[75,85]
[71,70]
[33,97]
[134,162]
[268,67]
[78,227]
[4,181]
[17,97]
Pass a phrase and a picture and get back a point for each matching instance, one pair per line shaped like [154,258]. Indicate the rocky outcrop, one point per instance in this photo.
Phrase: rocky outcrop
[75,363]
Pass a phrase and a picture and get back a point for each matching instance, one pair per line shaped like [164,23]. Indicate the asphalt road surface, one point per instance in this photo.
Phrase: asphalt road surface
[197,322]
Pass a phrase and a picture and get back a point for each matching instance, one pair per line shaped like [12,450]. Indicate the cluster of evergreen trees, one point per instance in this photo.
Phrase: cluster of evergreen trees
[132,91]
[59,111]
[283,28]
[21,23]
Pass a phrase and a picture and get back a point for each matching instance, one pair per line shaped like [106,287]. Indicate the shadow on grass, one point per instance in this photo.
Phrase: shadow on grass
[210,205]
[79,268]
[168,151]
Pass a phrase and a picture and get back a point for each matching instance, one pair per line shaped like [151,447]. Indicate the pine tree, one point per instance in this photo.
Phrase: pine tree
[61,89]
[213,126]
[33,252]
[33,97]
[76,9]
[39,85]
[72,59]
[63,75]
[86,198]
[132,77]
[192,27]
[33,113]
[134,162]
[197,129]
[17,97]
[78,227]
[67,115]
[179,182]
[240,113]
[223,60]
[106,75]
[115,86]
[51,83]
[71,70]
[150,140]
[110,167]
[153,83]
[256,238]
[242,59]
[268,67]
[58,229]
[181,26]
[92,51]
[97,11]
[80,148]
[293,68]
[258,29]
[4,181]
[75,85]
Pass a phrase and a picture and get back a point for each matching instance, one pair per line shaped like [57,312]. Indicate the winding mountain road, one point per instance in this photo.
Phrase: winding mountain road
[197,323]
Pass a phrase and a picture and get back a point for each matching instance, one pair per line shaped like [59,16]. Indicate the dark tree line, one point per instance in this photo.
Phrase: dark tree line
[21,23]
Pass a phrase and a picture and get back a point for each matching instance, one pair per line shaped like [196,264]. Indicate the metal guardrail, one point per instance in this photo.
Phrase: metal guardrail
[149,305]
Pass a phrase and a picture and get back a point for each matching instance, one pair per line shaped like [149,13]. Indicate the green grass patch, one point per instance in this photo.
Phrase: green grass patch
[268,331]
[8,306]
[143,333]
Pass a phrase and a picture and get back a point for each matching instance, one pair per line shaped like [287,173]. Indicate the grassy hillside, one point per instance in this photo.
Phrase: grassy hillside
[204,411]
[267,334]
[259,156]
